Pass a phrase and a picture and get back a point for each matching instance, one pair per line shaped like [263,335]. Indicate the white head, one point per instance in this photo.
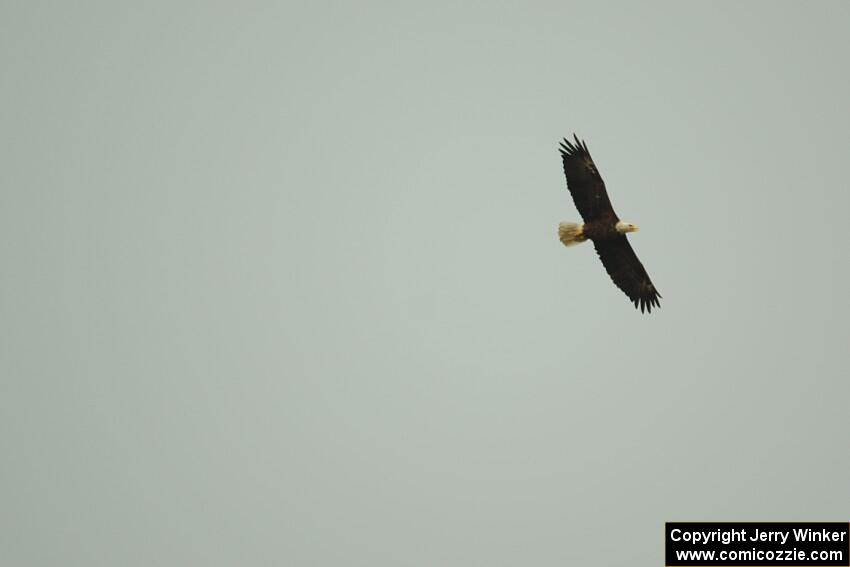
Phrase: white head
[624,227]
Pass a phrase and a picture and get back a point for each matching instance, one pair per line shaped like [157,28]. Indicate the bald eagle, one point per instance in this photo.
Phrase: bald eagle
[603,227]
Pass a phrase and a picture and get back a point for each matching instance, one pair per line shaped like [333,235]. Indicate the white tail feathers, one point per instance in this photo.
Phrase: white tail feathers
[571,233]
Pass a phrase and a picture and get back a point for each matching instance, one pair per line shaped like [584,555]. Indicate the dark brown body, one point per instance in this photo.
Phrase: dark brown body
[600,230]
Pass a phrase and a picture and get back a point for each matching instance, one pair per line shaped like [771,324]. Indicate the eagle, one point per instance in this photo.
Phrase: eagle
[603,227]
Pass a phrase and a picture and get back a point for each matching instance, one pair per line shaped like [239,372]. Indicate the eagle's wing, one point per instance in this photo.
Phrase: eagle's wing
[627,272]
[585,183]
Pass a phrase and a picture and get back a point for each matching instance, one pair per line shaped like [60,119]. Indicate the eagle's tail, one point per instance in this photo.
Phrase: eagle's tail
[571,233]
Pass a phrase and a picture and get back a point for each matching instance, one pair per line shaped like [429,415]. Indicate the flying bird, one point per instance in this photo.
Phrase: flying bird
[603,227]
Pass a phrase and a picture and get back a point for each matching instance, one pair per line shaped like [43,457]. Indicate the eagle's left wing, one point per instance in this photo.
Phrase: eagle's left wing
[627,272]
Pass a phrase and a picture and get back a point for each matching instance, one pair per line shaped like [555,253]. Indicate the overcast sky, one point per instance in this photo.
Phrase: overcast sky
[281,283]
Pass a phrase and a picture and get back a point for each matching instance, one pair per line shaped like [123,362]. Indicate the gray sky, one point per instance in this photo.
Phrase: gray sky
[282,285]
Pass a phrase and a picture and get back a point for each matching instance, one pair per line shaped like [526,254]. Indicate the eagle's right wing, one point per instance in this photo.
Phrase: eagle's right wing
[585,183]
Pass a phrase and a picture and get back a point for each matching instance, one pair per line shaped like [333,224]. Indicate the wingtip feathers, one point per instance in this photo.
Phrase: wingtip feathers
[570,148]
[646,303]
